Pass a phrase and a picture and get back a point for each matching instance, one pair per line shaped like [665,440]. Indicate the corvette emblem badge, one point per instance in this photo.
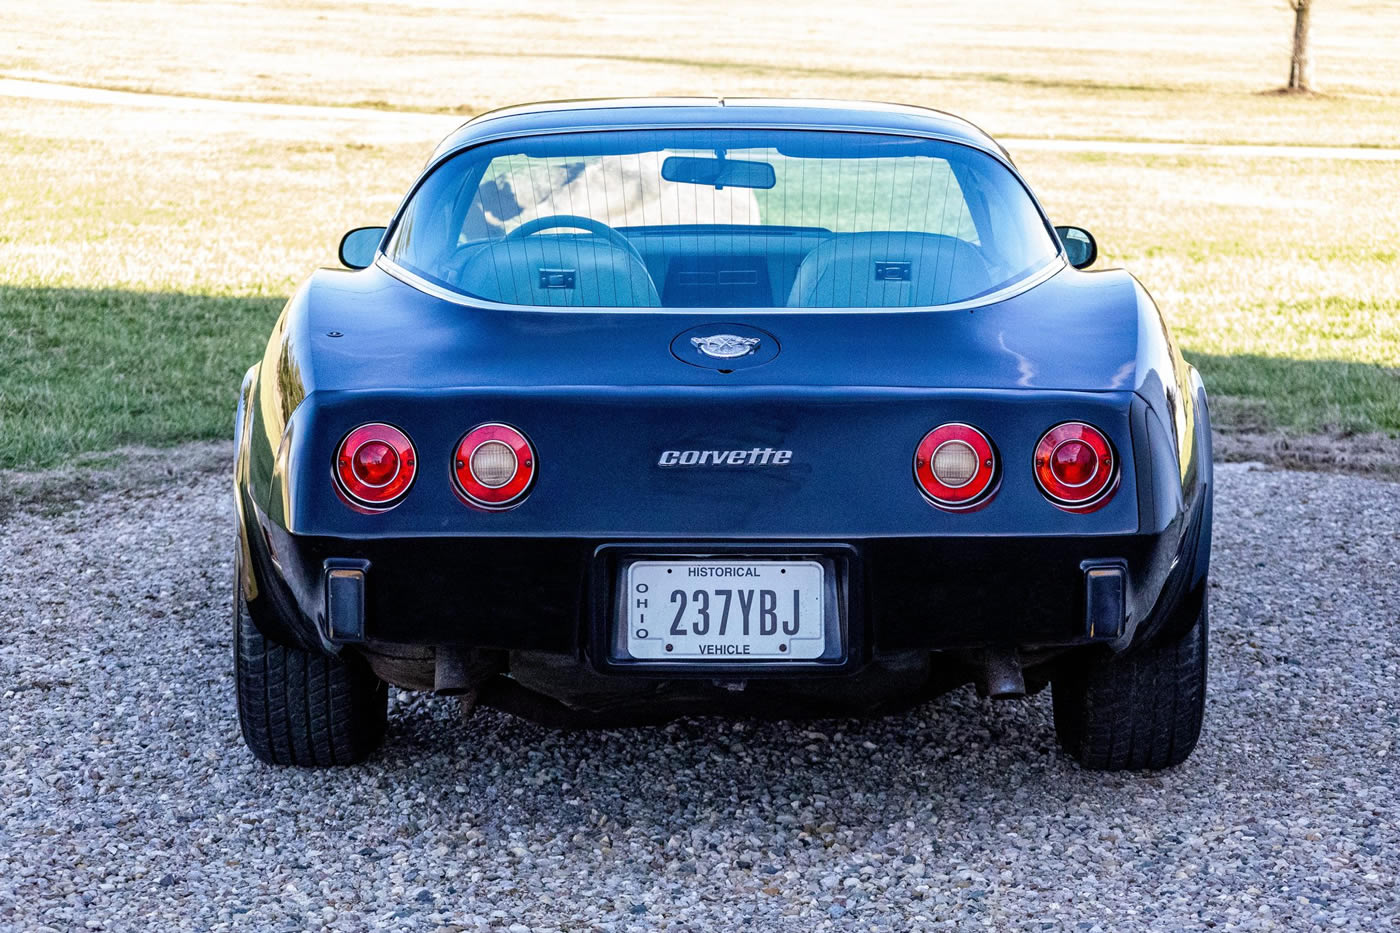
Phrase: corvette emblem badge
[725,346]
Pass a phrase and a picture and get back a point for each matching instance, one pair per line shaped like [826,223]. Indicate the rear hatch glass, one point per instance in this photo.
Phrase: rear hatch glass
[659,218]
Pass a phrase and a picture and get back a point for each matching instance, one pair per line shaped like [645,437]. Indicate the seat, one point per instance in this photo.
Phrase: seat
[567,271]
[888,270]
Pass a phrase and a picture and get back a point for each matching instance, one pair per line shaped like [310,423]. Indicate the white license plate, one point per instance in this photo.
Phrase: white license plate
[725,610]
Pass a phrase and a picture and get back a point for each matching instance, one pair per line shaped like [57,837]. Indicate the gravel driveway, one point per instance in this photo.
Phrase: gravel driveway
[128,802]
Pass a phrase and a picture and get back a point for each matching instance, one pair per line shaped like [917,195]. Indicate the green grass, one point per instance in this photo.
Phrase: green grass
[144,253]
[91,370]
[1266,393]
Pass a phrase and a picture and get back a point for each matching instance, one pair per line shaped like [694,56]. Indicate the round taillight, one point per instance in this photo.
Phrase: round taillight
[375,465]
[1076,467]
[955,466]
[494,465]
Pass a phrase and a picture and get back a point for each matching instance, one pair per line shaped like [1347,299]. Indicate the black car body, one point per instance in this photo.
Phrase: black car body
[978,463]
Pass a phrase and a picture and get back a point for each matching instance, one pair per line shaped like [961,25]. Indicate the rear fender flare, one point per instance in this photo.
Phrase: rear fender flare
[274,608]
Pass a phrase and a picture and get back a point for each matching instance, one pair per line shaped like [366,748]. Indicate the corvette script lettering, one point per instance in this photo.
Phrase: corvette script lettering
[756,456]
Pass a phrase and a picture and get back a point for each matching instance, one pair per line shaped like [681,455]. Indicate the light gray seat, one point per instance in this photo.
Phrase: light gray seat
[888,270]
[569,271]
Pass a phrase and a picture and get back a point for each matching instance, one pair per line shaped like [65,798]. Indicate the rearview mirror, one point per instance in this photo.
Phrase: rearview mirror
[719,173]
[1080,246]
[357,247]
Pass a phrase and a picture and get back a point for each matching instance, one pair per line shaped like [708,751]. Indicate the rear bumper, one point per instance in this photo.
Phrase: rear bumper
[556,595]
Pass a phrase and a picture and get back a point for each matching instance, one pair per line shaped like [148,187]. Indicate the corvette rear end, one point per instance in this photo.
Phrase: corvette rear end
[731,458]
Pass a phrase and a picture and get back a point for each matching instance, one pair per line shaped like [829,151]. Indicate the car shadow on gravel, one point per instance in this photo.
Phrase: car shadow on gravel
[822,780]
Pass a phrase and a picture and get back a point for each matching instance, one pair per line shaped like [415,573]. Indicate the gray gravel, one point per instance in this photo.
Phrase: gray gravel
[128,802]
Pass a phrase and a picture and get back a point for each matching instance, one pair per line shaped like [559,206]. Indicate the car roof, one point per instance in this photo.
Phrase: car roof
[626,113]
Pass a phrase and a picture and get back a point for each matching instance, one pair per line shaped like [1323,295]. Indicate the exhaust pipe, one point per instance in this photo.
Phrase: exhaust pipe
[999,676]
[461,673]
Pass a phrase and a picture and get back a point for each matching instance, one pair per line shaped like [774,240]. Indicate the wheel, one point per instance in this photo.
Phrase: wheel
[300,708]
[1140,711]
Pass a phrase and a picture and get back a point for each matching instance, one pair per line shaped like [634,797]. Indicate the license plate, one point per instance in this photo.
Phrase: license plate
[724,610]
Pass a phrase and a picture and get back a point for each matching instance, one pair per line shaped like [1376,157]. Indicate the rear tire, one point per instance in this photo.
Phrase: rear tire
[1140,711]
[301,708]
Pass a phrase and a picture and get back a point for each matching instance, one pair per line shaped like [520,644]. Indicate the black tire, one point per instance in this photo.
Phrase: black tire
[1140,711]
[300,708]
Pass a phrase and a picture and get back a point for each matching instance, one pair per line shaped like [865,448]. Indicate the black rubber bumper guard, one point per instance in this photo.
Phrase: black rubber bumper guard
[344,581]
[1105,599]
[343,621]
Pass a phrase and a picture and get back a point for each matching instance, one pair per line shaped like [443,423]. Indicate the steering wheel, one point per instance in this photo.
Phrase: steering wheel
[560,221]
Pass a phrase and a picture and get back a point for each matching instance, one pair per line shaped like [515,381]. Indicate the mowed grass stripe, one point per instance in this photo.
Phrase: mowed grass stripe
[94,369]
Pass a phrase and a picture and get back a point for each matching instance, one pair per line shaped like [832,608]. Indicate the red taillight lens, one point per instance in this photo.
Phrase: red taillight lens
[1076,467]
[494,465]
[375,465]
[955,466]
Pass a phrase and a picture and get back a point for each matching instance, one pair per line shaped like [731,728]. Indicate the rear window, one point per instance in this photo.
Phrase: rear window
[722,218]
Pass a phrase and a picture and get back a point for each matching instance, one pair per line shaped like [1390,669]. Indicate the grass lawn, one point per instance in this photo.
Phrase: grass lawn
[145,253]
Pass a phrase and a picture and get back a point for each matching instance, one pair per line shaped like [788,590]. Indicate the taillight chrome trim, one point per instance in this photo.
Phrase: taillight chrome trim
[1062,482]
[398,463]
[985,481]
[934,456]
[481,495]
[405,473]
[471,457]
[1102,484]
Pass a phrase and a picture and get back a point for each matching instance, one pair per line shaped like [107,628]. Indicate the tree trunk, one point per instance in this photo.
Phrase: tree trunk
[1300,70]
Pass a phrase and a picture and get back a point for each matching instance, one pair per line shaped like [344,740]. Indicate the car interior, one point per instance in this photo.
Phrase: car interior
[721,267]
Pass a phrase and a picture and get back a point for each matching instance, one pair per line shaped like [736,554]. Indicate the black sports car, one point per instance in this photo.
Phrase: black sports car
[645,408]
